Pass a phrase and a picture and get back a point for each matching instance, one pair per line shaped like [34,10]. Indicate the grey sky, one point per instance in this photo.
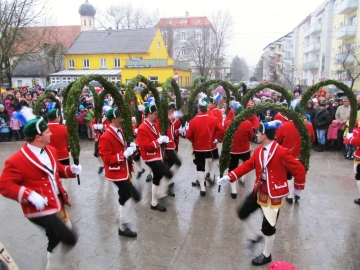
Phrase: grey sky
[256,23]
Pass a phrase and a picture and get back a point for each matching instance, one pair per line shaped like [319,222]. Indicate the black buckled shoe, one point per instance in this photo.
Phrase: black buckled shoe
[149,177]
[100,170]
[233,195]
[140,173]
[357,201]
[297,198]
[170,193]
[127,232]
[289,200]
[158,207]
[202,193]
[261,260]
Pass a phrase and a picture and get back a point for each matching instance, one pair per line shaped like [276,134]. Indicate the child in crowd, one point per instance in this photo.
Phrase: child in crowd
[332,134]
[4,131]
[81,122]
[15,126]
[350,149]
[89,116]
[310,127]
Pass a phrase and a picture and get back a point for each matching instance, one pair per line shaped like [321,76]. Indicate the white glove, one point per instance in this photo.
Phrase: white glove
[76,169]
[177,114]
[349,135]
[216,141]
[162,139]
[133,145]
[141,108]
[182,131]
[100,126]
[128,152]
[135,131]
[166,139]
[37,200]
[187,125]
[297,192]
[222,180]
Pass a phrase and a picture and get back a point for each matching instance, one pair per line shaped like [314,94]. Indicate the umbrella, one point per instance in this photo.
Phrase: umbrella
[96,84]
[138,89]
[49,86]
[59,85]
[265,94]
[2,90]
[220,90]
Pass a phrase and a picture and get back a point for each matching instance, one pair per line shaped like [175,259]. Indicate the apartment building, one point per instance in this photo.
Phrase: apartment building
[325,45]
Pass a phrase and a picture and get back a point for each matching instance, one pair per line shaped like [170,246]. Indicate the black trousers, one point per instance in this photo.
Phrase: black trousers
[234,160]
[249,206]
[65,161]
[200,158]
[126,191]
[56,231]
[159,169]
[172,158]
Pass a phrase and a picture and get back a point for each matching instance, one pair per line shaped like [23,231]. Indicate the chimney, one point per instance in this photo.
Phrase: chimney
[186,13]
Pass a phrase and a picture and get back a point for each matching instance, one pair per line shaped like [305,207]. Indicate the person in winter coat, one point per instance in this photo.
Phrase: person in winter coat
[9,107]
[4,113]
[88,119]
[81,121]
[321,122]
[332,134]
[330,109]
[310,110]
[15,126]
[310,128]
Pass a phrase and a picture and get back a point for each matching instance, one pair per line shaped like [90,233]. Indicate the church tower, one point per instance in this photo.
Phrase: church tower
[87,16]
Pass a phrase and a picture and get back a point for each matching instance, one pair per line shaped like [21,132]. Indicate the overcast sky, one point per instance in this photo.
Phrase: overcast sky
[256,22]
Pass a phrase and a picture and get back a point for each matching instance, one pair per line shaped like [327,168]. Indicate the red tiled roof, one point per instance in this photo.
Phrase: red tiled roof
[183,22]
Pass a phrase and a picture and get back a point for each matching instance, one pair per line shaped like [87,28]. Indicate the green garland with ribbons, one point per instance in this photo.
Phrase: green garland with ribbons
[129,97]
[65,94]
[347,91]
[244,90]
[97,103]
[287,94]
[305,150]
[39,102]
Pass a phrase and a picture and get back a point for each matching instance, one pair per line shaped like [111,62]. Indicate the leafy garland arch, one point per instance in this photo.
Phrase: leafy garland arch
[40,100]
[287,95]
[244,91]
[129,97]
[71,109]
[347,91]
[292,115]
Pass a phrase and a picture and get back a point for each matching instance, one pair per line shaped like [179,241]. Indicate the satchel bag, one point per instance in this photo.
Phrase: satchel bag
[6,261]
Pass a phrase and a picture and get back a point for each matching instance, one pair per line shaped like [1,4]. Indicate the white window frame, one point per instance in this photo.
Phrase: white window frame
[183,36]
[198,35]
[183,51]
[71,63]
[19,83]
[86,63]
[159,45]
[102,62]
[153,78]
[116,62]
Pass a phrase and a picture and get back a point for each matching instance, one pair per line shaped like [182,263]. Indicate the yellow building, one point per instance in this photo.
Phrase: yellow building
[120,55]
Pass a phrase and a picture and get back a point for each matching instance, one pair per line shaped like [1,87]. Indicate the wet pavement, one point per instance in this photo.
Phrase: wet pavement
[320,232]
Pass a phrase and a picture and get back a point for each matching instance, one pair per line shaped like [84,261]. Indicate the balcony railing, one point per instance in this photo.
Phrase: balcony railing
[156,63]
[314,29]
[346,6]
[311,65]
[288,57]
[341,57]
[345,32]
[314,47]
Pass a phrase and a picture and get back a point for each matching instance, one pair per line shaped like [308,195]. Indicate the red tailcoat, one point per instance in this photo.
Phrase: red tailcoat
[279,162]
[254,121]
[203,130]
[311,131]
[289,137]
[218,114]
[231,115]
[242,137]
[356,142]
[146,139]
[173,134]
[59,139]
[111,150]
[24,173]
[98,133]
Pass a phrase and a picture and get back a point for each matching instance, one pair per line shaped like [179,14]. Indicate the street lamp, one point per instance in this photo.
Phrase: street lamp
[292,80]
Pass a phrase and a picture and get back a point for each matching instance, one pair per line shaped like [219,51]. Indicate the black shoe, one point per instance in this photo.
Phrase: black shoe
[357,201]
[233,195]
[297,198]
[170,193]
[127,232]
[149,177]
[289,200]
[202,193]
[158,207]
[241,183]
[207,175]
[261,260]
[140,173]
[100,170]
[197,184]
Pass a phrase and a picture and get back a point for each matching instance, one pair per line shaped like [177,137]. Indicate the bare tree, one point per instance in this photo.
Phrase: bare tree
[223,24]
[15,43]
[126,16]
[349,62]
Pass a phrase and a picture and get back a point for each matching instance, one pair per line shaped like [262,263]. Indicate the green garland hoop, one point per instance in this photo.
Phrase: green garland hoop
[129,97]
[292,115]
[65,94]
[287,95]
[40,100]
[244,91]
[347,91]
[97,103]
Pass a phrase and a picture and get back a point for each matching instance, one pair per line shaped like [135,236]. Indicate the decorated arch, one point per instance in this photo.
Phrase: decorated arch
[244,89]
[285,93]
[292,115]
[347,91]
[40,101]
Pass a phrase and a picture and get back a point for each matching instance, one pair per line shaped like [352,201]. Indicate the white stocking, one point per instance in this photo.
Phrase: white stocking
[233,187]
[291,190]
[154,200]
[201,179]
[269,242]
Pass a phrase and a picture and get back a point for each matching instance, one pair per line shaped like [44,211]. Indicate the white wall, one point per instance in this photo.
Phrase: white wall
[26,81]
